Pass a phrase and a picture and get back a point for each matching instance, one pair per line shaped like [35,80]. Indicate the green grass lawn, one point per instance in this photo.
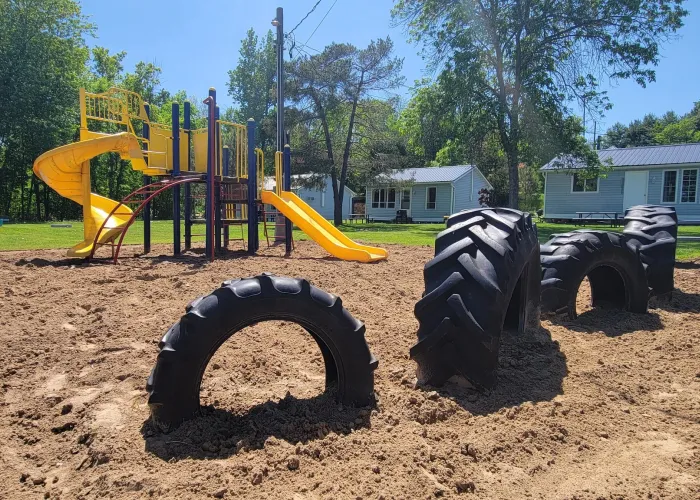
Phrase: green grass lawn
[43,236]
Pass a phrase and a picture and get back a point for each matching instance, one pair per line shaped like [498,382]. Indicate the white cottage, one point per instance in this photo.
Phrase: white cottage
[657,175]
[426,194]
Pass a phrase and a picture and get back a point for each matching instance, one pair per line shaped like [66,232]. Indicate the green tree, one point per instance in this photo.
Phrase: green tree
[331,90]
[106,65]
[538,54]
[651,130]
[42,56]
[251,85]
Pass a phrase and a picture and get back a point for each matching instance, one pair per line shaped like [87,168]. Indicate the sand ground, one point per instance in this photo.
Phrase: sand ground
[607,406]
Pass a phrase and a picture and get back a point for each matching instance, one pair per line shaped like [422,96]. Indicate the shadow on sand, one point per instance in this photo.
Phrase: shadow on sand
[222,433]
[531,368]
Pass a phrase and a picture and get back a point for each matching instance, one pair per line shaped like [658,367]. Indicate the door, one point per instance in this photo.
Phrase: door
[635,192]
[406,201]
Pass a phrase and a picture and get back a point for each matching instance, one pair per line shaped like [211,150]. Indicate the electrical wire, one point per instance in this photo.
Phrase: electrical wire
[304,18]
[319,24]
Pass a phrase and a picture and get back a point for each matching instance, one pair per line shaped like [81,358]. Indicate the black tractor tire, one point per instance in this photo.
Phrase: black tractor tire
[187,347]
[485,275]
[615,273]
[652,230]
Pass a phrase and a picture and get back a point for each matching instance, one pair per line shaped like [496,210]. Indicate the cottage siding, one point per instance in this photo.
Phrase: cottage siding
[419,212]
[380,213]
[561,202]
[456,189]
[466,195]
[685,211]
[443,205]
[312,197]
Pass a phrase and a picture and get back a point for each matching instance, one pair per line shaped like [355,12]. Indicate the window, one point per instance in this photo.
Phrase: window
[431,198]
[391,199]
[384,198]
[323,198]
[581,185]
[405,199]
[669,187]
[689,186]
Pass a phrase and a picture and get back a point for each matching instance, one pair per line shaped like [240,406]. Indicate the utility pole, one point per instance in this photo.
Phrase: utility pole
[594,133]
[279,23]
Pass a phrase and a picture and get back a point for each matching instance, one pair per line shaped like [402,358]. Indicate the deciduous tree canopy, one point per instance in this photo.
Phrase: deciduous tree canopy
[524,60]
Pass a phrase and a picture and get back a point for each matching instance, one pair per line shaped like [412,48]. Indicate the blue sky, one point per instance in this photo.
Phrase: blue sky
[196,43]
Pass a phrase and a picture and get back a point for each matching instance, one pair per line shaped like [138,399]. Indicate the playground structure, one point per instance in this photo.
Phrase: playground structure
[221,156]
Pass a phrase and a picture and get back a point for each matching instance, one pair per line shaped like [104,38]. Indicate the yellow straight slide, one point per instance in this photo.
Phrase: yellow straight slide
[66,169]
[320,230]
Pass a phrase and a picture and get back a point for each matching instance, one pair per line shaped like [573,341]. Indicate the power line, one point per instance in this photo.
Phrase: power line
[304,18]
[319,24]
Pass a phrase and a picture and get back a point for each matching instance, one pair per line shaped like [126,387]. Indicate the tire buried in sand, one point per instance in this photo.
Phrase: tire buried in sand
[652,230]
[615,273]
[209,321]
[485,275]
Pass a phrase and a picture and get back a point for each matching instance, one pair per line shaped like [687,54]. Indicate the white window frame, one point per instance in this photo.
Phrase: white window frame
[401,192]
[597,185]
[386,203]
[427,197]
[680,191]
[663,182]
[393,203]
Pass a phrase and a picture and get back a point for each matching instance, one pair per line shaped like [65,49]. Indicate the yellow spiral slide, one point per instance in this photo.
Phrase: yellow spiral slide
[66,169]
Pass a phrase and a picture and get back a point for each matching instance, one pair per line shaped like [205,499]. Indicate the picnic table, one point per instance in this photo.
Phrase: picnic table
[354,218]
[584,217]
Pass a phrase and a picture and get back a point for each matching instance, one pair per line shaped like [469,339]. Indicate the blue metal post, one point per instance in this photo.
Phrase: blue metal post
[287,182]
[224,171]
[218,186]
[188,191]
[146,182]
[210,214]
[176,173]
[252,190]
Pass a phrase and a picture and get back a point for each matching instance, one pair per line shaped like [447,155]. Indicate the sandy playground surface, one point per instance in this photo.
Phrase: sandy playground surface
[607,406]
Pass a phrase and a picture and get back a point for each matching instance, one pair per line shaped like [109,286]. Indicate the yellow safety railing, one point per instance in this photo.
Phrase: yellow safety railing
[135,105]
[279,162]
[260,157]
[200,144]
[161,142]
[104,108]
[118,106]
[238,142]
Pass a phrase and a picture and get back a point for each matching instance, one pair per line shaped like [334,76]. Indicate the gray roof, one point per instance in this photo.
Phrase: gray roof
[674,154]
[430,174]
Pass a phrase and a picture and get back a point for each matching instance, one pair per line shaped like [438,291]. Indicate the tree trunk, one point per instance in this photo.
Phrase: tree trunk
[120,179]
[338,205]
[21,198]
[338,212]
[513,181]
[37,197]
[28,205]
[46,202]
[336,196]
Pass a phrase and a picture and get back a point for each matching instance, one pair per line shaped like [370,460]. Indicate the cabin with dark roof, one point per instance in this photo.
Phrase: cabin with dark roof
[658,175]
